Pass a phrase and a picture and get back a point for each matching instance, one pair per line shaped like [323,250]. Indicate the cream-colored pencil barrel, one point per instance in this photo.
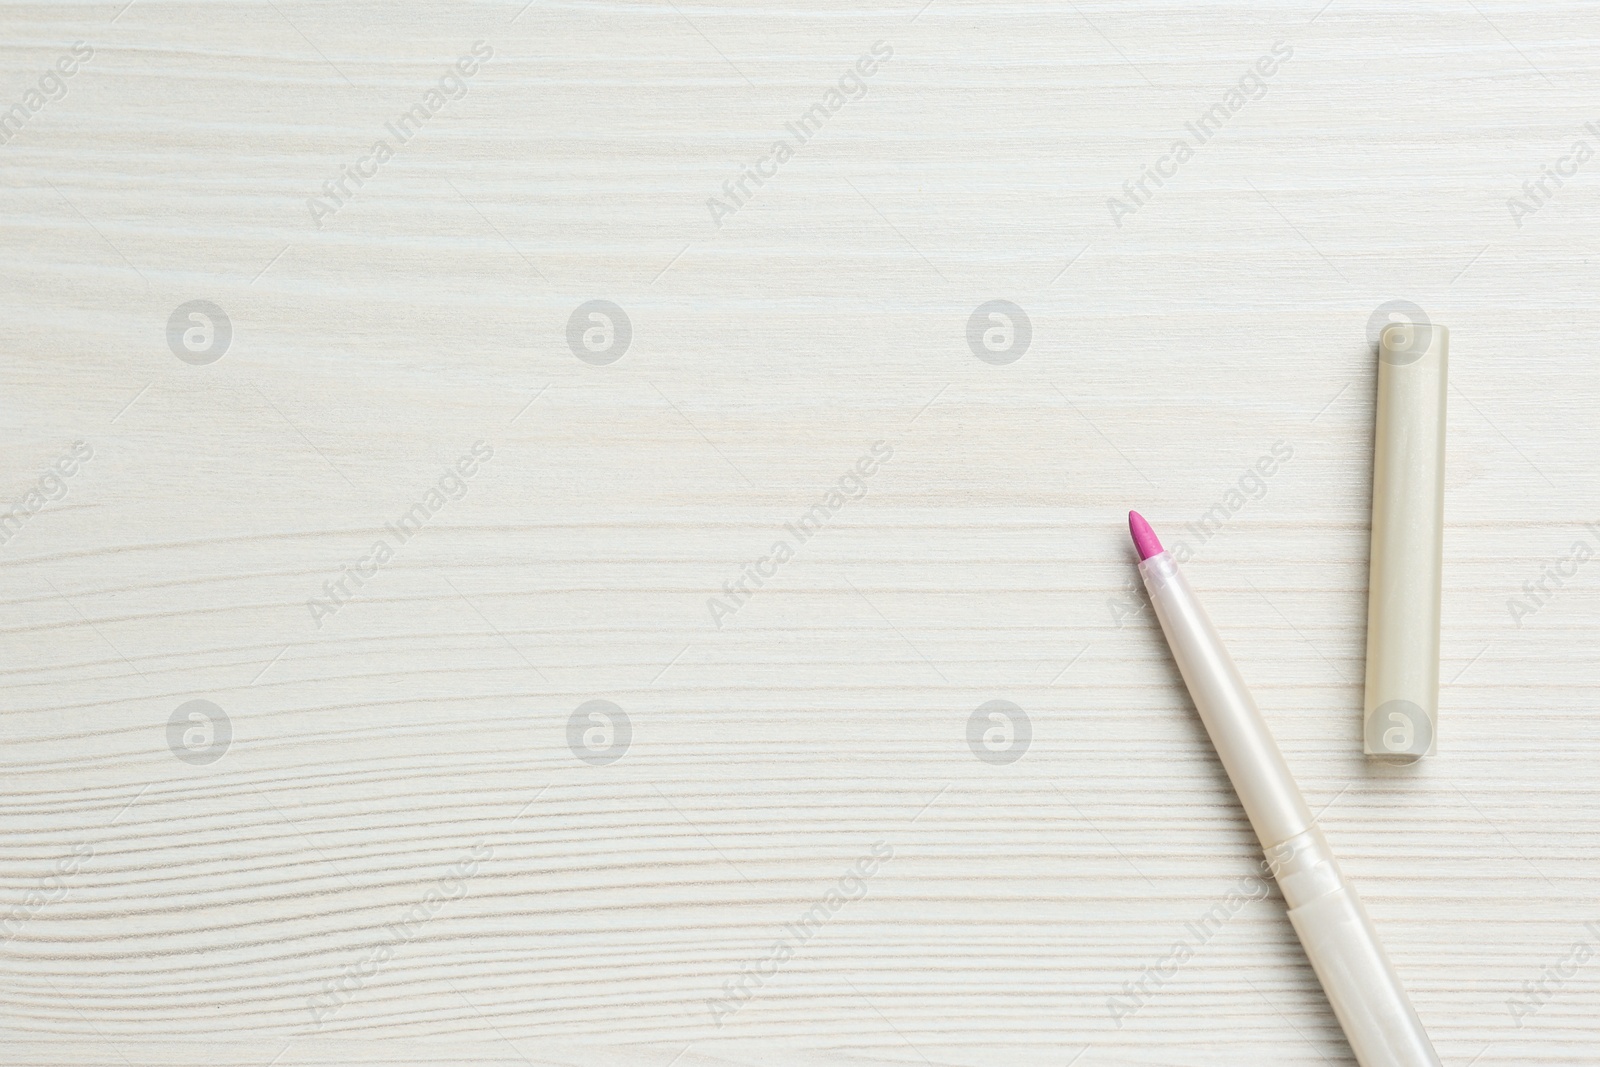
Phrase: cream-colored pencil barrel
[1401,712]
[1340,941]
[1343,947]
[1251,757]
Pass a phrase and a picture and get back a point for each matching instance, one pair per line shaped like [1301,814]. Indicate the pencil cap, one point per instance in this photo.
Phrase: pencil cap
[1401,709]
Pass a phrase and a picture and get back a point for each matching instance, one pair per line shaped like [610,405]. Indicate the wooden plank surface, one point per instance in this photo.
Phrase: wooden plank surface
[394,830]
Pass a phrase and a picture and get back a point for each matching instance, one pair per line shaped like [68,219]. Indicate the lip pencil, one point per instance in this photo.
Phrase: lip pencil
[1371,1005]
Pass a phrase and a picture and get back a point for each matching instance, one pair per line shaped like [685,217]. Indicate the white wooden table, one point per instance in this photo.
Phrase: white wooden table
[393,831]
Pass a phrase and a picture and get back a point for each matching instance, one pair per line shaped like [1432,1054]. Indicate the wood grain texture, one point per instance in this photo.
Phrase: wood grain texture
[411,749]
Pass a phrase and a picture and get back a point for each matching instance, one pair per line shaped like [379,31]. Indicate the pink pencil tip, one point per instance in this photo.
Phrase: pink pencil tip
[1144,538]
